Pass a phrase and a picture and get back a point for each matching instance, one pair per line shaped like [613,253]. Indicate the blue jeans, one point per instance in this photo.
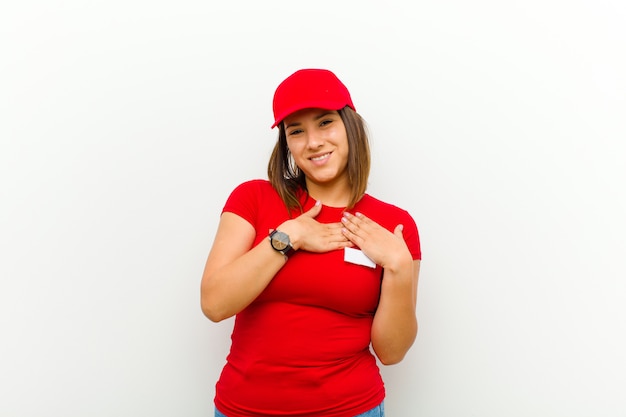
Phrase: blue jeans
[378,411]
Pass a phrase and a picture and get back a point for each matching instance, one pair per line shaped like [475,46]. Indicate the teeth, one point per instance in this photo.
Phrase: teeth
[319,158]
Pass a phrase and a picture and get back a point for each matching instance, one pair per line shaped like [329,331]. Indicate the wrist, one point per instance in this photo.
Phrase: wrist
[399,262]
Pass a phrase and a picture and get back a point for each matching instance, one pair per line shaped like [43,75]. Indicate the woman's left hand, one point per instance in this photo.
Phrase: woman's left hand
[387,249]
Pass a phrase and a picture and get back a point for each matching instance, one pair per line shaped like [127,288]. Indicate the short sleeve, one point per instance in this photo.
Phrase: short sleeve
[411,236]
[244,201]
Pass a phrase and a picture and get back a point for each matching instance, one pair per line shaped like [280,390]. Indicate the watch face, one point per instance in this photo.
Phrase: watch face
[280,240]
[279,245]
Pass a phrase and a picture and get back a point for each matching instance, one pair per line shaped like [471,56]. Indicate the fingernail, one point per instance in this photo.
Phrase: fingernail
[318,202]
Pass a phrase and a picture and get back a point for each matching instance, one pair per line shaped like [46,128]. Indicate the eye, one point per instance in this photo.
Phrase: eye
[325,122]
[294,132]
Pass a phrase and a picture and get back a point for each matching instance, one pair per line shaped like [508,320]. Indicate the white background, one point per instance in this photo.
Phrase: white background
[499,125]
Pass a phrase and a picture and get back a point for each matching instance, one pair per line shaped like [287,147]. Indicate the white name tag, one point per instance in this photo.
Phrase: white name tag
[355,256]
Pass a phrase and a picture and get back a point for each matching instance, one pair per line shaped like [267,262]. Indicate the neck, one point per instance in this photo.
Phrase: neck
[333,195]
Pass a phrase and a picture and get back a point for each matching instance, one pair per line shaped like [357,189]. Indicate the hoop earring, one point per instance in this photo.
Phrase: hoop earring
[293,169]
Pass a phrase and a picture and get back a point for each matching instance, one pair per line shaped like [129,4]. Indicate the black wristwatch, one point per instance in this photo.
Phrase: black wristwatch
[280,243]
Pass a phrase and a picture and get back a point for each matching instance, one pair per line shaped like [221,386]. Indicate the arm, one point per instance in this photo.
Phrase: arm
[395,326]
[236,273]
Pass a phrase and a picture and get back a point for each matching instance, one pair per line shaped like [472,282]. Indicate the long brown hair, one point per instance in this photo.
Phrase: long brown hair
[287,178]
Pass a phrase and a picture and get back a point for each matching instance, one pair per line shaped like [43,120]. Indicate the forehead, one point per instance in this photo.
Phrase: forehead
[307,114]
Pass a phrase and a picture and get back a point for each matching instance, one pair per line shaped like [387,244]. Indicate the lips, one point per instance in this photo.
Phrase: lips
[320,157]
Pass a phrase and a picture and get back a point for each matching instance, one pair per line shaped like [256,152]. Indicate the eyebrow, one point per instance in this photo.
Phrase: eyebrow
[321,116]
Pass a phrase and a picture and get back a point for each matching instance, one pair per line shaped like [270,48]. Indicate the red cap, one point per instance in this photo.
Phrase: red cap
[310,88]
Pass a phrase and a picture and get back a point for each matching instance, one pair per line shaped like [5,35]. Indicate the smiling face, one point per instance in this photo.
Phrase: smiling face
[318,142]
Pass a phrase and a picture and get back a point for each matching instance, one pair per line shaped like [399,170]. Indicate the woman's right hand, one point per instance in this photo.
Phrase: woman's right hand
[306,233]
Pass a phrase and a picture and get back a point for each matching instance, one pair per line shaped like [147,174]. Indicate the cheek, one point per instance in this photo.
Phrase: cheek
[339,136]
[342,143]
[295,151]
[294,145]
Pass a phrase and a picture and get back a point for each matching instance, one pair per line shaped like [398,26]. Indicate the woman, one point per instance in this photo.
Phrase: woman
[314,269]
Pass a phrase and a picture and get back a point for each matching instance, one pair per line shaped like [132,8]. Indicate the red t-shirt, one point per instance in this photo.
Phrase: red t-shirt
[302,347]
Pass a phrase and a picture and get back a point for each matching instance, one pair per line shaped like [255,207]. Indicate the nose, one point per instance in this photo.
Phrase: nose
[315,140]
